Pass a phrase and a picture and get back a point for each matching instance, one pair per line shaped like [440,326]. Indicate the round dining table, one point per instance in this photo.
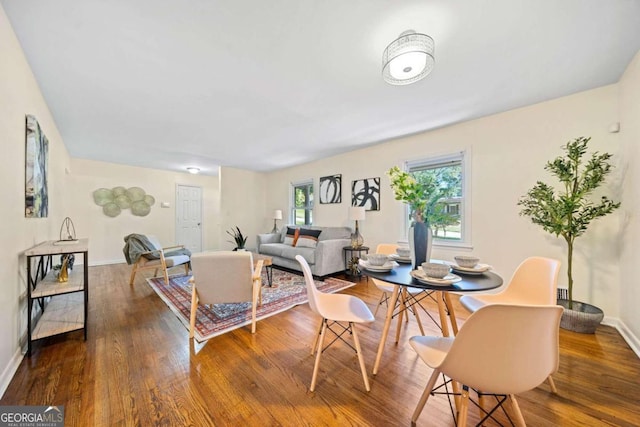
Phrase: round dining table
[401,276]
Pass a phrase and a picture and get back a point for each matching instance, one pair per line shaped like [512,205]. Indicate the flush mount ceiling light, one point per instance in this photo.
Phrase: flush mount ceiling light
[193,170]
[408,59]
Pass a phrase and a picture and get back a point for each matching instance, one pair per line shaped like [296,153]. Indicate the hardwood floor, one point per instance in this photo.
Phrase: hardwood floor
[138,367]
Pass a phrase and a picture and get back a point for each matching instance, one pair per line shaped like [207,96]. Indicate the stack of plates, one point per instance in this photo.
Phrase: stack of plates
[447,280]
[400,259]
[477,270]
[387,266]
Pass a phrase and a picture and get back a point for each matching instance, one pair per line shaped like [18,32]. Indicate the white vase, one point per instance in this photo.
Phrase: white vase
[420,243]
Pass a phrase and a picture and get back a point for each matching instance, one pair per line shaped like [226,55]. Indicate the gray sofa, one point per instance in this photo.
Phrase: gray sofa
[327,258]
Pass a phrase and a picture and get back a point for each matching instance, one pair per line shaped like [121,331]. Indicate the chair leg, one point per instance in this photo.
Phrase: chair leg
[383,298]
[134,270]
[315,340]
[425,395]
[360,358]
[257,290]
[186,269]
[552,384]
[319,352]
[464,407]
[194,309]
[519,419]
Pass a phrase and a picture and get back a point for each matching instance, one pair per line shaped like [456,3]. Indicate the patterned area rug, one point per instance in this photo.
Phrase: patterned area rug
[288,290]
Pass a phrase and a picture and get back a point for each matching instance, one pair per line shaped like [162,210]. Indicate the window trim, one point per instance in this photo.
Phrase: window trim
[464,157]
[292,207]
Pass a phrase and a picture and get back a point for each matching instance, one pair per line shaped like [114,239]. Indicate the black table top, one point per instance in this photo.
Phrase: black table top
[469,283]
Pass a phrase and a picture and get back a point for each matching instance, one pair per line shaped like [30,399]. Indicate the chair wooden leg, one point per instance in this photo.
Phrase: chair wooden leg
[257,294]
[133,274]
[464,407]
[425,395]
[383,297]
[360,358]
[315,340]
[519,419]
[186,269]
[194,309]
[319,352]
[552,384]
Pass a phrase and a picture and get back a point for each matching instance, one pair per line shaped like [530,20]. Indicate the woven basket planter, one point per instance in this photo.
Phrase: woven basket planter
[583,318]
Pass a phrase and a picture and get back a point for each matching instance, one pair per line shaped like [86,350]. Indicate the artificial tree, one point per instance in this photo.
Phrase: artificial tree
[568,210]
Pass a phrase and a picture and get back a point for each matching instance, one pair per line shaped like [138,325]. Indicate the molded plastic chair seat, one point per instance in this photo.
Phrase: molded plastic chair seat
[501,349]
[335,309]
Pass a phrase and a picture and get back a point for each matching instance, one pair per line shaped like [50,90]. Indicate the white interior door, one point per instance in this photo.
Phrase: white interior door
[189,217]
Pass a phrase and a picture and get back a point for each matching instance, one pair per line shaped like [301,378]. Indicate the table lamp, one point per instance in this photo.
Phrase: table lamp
[356,213]
[277,214]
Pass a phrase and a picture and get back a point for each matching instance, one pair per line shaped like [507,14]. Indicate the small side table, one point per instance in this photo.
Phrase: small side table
[351,257]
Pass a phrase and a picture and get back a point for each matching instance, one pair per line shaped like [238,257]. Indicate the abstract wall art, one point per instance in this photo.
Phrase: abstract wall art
[366,193]
[36,200]
[331,189]
[114,200]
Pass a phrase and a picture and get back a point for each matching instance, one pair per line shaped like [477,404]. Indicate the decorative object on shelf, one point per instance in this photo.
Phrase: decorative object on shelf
[408,58]
[36,200]
[118,198]
[277,215]
[63,274]
[569,210]
[356,213]
[67,233]
[238,238]
[331,189]
[366,193]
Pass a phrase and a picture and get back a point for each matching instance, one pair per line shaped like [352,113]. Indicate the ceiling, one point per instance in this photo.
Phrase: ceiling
[262,85]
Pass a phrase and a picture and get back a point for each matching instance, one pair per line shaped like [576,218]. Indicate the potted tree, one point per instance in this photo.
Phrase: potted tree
[567,212]
[238,238]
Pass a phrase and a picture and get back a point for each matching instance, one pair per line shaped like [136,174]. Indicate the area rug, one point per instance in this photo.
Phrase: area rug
[288,290]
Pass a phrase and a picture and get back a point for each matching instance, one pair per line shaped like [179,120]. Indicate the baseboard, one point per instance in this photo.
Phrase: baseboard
[629,337]
[10,371]
[107,262]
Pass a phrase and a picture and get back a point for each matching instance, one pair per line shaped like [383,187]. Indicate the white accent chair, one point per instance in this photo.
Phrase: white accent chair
[535,281]
[501,349]
[335,310]
[163,263]
[225,277]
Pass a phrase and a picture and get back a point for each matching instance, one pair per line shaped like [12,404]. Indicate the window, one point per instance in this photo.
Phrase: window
[302,203]
[446,210]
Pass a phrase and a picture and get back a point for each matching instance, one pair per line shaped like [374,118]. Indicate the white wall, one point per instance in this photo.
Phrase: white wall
[243,197]
[629,87]
[508,152]
[106,234]
[20,95]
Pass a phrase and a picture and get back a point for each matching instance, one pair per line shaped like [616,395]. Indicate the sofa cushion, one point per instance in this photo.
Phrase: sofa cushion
[308,238]
[291,238]
[273,249]
[309,254]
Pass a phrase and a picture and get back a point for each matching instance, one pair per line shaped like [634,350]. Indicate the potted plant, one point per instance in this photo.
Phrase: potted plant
[420,196]
[238,238]
[567,212]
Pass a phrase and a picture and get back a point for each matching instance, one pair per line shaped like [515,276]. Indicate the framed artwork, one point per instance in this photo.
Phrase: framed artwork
[331,189]
[36,197]
[366,193]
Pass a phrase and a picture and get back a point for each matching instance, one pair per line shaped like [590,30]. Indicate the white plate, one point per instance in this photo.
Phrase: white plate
[478,269]
[401,260]
[387,266]
[447,280]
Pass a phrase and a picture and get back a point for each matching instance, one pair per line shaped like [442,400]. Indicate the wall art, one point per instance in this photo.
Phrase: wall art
[36,200]
[114,200]
[331,189]
[366,193]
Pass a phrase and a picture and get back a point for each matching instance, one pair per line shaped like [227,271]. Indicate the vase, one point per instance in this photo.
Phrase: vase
[420,239]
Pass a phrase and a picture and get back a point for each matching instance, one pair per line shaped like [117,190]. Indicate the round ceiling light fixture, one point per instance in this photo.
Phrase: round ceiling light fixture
[193,170]
[408,58]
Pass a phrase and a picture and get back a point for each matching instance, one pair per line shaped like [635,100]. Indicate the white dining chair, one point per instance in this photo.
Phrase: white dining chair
[338,310]
[501,350]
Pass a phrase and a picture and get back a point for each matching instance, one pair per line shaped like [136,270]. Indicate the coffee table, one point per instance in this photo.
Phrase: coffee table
[266,263]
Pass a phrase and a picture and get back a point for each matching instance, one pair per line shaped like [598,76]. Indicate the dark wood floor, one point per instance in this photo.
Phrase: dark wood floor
[138,367]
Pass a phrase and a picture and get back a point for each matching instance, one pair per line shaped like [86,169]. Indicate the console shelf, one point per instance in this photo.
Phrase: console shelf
[63,305]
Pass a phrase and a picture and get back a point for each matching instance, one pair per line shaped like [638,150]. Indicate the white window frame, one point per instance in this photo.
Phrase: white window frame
[464,157]
[292,204]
